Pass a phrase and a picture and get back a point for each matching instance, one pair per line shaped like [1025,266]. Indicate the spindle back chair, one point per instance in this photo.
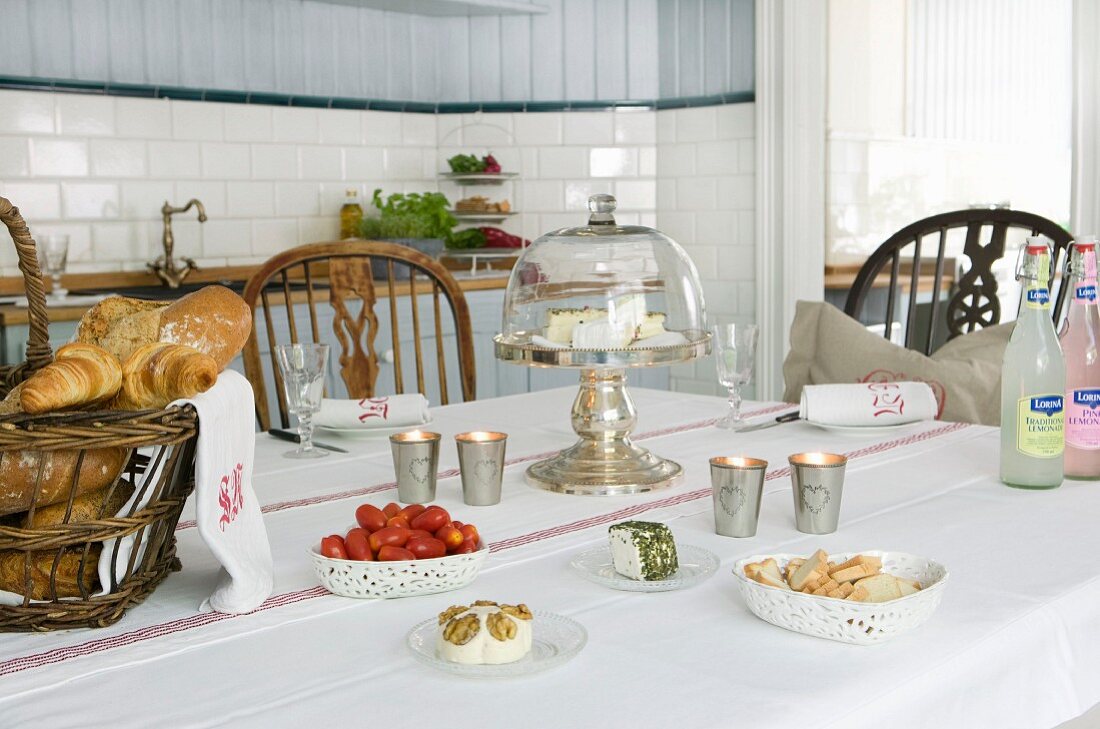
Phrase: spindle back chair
[342,272]
[973,303]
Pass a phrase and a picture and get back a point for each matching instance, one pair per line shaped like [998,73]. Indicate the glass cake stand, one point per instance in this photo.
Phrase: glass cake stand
[603,298]
[604,461]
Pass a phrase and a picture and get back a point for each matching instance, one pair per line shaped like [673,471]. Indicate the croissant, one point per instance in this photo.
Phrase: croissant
[158,373]
[80,375]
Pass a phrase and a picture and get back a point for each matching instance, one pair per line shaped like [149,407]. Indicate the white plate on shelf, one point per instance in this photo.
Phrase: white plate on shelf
[696,565]
[864,429]
[473,216]
[371,432]
[555,640]
[479,178]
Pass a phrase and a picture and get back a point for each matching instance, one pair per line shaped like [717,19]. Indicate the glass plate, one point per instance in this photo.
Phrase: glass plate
[555,639]
[696,565]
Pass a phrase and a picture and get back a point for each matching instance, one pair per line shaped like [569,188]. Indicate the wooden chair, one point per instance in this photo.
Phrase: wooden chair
[343,272]
[973,303]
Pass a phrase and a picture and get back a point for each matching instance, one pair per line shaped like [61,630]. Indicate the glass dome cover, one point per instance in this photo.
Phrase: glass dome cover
[603,295]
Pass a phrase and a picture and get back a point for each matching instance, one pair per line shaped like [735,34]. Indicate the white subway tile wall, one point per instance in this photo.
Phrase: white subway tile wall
[272,178]
[705,201]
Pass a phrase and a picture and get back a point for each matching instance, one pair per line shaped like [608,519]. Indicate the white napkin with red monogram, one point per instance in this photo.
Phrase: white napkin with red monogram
[393,411]
[868,404]
[227,511]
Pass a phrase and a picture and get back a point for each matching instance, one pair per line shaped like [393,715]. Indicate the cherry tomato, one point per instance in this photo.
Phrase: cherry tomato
[398,521]
[394,554]
[370,517]
[411,511]
[420,533]
[391,509]
[467,546]
[426,548]
[357,544]
[390,536]
[450,536]
[432,520]
[469,531]
[456,524]
[333,547]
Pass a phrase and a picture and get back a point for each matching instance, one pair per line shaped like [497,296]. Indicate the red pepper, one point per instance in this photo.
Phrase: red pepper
[497,238]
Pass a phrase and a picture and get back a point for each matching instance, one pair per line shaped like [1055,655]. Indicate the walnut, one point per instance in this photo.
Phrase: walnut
[520,611]
[451,612]
[501,626]
[484,603]
[461,631]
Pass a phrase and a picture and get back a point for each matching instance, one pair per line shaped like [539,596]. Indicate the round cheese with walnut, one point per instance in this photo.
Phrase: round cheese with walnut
[484,633]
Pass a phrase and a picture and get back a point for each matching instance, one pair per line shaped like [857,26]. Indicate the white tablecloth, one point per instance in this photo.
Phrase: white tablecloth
[1015,643]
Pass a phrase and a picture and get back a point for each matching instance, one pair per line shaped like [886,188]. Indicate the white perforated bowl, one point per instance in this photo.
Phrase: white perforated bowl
[352,578]
[858,623]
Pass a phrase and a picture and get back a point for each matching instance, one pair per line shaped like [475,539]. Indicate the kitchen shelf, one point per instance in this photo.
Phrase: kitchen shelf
[445,8]
[479,178]
[481,217]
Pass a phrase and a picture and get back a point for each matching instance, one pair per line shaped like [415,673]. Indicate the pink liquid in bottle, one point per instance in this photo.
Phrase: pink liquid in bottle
[1080,340]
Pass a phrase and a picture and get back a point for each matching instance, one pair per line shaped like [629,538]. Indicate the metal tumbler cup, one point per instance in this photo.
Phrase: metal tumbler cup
[481,462]
[415,463]
[817,482]
[738,485]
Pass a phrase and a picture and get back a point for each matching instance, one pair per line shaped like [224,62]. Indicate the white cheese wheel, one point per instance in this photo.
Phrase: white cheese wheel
[483,648]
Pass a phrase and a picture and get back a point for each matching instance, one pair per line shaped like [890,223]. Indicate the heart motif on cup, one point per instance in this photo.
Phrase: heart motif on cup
[731,499]
[815,498]
[485,469]
[418,469]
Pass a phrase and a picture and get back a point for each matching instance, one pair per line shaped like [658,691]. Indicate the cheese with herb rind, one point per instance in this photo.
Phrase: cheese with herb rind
[643,550]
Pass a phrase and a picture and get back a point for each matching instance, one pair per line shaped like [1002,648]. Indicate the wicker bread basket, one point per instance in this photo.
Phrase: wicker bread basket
[157,448]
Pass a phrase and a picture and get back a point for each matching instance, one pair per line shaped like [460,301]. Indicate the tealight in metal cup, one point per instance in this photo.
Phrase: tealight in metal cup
[738,485]
[481,462]
[817,482]
[415,464]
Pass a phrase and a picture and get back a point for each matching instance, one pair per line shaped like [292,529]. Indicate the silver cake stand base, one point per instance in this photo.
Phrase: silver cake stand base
[603,462]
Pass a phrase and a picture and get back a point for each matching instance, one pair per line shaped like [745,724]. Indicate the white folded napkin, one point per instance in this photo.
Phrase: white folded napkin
[394,411]
[868,403]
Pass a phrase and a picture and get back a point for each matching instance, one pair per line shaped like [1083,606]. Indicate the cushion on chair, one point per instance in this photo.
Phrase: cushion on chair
[828,346]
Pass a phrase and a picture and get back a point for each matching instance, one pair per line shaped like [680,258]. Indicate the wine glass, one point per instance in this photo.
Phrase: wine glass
[734,354]
[53,254]
[303,367]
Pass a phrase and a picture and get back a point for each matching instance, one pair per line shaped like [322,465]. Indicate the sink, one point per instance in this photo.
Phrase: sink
[160,293]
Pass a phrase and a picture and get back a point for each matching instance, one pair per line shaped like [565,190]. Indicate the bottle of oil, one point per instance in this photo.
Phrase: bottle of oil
[350,214]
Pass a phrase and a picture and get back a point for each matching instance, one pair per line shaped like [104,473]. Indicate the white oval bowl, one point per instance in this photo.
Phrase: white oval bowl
[858,623]
[353,578]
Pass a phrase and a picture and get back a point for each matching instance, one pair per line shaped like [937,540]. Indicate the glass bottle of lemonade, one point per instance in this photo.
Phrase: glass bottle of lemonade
[1080,337]
[1033,383]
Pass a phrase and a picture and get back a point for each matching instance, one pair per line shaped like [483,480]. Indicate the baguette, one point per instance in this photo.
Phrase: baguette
[19,474]
[880,588]
[804,574]
[69,577]
[157,374]
[80,375]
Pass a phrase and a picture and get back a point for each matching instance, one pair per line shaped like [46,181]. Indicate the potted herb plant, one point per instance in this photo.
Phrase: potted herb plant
[418,220]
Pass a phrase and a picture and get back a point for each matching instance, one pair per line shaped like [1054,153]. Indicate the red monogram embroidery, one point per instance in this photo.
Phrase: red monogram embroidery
[888,399]
[377,407]
[884,376]
[231,497]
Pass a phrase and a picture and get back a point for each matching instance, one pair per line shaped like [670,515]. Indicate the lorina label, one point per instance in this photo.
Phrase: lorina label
[1038,298]
[1083,419]
[1040,426]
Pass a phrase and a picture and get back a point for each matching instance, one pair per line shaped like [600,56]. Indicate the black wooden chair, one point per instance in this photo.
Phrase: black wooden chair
[973,302]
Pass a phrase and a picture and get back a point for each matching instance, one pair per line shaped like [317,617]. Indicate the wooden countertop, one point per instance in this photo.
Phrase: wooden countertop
[121,281]
[841,277]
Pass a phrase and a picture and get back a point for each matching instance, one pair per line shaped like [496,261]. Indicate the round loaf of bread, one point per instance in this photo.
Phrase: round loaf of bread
[69,575]
[213,320]
[120,324]
[19,472]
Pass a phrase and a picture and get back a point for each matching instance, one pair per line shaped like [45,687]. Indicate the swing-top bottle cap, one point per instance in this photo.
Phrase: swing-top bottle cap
[1036,245]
